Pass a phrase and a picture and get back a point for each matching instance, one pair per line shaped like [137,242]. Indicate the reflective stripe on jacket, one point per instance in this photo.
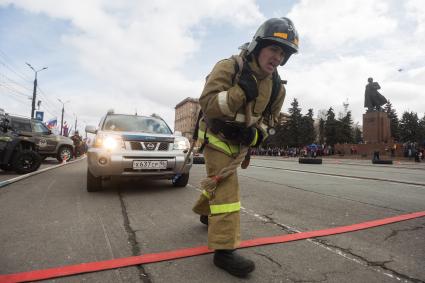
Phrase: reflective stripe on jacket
[218,143]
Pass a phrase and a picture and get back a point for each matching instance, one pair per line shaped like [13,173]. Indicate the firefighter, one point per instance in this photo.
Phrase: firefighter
[224,129]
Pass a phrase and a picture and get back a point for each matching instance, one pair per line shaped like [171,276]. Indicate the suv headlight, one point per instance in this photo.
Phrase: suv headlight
[109,142]
[181,143]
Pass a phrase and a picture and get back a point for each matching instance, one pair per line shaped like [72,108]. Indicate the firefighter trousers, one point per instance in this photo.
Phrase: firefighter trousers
[222,208]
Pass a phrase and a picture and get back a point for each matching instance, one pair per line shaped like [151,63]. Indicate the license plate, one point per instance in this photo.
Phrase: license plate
[150,164]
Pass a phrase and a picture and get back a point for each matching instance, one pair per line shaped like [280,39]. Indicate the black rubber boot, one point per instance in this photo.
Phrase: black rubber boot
[204,219]
[233,263]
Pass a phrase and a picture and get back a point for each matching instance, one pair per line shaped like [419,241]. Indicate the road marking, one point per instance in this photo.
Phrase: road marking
[86,267]
[336,251]
[343,176]
[108,243]
[317,243]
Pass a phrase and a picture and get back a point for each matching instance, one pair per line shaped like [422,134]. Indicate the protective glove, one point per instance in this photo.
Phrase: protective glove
[250,135]
[248,83]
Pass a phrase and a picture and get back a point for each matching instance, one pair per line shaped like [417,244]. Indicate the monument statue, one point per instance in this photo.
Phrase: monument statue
[373,100]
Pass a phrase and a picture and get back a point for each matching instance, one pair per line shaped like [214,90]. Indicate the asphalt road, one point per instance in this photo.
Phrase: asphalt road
[50,220]
[48,162]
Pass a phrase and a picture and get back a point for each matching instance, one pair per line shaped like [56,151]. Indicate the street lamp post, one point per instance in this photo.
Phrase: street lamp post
[63,111]
[34,93]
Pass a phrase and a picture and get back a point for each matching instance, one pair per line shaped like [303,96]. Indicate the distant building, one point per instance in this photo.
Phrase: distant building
[186,113]
[283,118]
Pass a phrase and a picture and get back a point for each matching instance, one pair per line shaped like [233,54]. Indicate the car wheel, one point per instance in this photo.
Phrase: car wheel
[180,180]
[26,161]
[64,153]
[94,184]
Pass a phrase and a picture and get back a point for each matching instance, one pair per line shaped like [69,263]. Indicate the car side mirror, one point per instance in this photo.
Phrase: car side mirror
[178,133]
[91,129]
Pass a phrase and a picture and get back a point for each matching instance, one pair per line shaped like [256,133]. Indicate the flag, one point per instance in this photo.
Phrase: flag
[65,129]
[52,123]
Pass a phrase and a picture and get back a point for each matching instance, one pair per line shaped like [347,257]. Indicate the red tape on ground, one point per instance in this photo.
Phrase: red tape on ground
[150,258]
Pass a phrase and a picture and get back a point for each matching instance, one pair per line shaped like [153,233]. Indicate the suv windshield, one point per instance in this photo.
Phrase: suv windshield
[21,125]
[130,123]
[38,127]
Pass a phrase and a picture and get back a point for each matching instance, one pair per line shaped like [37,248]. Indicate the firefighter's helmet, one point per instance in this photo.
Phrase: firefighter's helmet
[280,31]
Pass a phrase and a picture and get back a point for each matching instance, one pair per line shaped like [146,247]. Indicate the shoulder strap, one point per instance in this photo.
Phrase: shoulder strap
[277,85]
[238,68]
[277,81]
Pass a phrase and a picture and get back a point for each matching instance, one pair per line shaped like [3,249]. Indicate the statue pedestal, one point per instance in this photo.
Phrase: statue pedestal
[376,127]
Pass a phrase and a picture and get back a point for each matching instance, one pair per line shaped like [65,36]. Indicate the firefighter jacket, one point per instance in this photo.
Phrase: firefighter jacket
[223,99]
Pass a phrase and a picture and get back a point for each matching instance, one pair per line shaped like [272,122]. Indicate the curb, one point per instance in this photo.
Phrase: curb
[16,179]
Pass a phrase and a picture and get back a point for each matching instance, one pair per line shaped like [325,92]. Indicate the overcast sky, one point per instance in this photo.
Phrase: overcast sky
[147,56]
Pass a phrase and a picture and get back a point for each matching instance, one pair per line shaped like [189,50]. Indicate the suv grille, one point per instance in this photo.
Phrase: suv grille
[163,146]
[149,146]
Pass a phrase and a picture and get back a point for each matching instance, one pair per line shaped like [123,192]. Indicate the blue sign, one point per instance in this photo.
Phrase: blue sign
[39,115]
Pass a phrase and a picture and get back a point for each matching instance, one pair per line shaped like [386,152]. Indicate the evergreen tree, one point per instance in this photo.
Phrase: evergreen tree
[409,127]
[394,122]
[331,127]
[345,129]
[321,115]
[357,133]
[321,131]
[308,134]
[421,138]
[293,129]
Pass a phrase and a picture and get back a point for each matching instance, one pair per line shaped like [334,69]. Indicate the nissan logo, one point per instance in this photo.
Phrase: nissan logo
[150,146]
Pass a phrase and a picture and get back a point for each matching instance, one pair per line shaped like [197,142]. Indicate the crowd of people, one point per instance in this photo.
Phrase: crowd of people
[312,150]
[413,150]
[410,150]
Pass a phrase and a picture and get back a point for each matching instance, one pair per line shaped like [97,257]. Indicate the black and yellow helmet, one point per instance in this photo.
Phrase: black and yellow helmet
[280,31]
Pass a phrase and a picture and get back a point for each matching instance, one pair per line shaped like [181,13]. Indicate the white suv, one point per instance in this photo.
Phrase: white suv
[136,146]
